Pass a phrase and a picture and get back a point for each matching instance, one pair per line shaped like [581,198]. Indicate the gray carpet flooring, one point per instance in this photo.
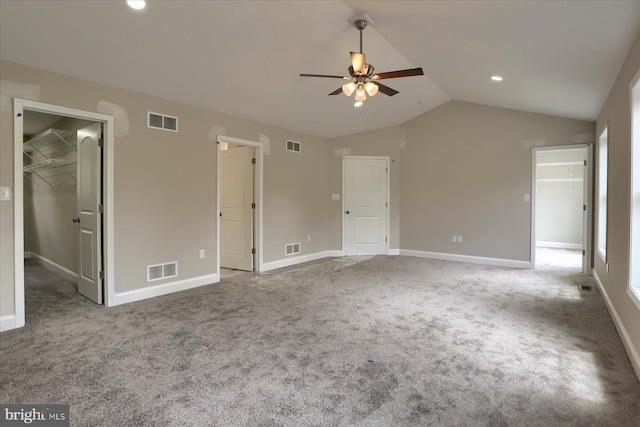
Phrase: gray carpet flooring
[379,341]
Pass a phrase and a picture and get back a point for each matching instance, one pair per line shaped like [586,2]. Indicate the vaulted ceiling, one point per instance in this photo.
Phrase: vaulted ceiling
[244,57]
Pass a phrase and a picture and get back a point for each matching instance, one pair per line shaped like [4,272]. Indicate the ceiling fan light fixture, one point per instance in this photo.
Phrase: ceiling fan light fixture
[349,88]
[358,104]
[371,88]
[360,94]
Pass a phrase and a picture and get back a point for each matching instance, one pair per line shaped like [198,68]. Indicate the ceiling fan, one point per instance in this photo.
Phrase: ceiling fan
[363,80]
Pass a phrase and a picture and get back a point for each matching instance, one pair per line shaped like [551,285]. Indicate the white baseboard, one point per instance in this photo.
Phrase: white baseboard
[27,254]
[164,289]
[558,245]
[7,323]
[499,262]
[287,262]
[56,268]
[393,252]
[632,352]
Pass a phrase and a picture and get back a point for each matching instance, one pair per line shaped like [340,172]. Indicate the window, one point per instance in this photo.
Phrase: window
[601,241]
[634,238]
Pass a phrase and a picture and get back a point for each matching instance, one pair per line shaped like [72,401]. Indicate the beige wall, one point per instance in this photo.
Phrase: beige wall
[165,183]
[465,171]
[616,115]
[385,142]
[559,214]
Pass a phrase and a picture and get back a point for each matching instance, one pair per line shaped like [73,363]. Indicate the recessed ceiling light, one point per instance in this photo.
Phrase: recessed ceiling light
[358,104]
[136,4]
[496,78]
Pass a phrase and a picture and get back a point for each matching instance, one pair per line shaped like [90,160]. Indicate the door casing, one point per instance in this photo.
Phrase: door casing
[258,259]
[388,201]
[588,194]
[19,105]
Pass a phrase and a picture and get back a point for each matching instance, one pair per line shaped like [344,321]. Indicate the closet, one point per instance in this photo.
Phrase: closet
[50,193]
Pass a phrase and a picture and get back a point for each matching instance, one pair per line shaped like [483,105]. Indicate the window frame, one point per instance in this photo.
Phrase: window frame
[634,190]
[602,193]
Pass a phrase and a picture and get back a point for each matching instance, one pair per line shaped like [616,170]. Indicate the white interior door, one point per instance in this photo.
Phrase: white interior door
[365,200]
[89,192]
[236,208]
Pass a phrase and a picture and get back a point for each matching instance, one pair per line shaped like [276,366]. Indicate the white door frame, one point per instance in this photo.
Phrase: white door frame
[19,105]
[588,188]
[344,191]
[258,259]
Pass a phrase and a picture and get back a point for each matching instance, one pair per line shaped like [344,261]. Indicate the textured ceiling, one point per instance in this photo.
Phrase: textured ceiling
[244,57]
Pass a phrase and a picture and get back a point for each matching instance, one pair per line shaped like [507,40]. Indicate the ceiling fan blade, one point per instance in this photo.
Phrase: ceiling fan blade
[337,91]
[359,63]
[400,73]
[386,89]
[325,75]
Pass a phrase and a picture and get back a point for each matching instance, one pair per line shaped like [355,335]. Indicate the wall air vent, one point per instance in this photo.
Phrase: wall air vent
[162,271]
[293,146]
[292,249]
[162,121]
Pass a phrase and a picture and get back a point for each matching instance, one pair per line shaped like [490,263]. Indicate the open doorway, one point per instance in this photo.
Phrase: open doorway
[62,176]
[561,208]
[239,204]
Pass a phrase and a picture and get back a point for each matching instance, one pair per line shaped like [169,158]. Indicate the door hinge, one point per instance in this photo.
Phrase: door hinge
[100,208]
[253,161]
[100,142]
[386,170]
[385,239]
[584,252]
[585,163]
[253,205]
[386,205]
[584,207]
[101,275]
[253,251]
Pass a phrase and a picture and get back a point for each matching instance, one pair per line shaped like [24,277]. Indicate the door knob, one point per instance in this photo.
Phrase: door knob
[76,219]
[347,212]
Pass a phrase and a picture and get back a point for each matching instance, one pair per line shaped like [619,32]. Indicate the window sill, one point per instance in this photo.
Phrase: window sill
[634,294]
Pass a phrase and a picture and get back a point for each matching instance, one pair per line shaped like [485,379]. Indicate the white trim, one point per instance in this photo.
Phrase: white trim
[632,352]
[634,297]
[633,287]
[394,252]
[19,105]
[388,201]
[558,245]
[164,289]
[258,220]
[499,262]
[55,267]
[587,182]
[7,323]
[27,254]
[281,263]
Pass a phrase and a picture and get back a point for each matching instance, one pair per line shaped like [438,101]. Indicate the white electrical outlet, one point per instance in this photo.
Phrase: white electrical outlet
[459,239]
[454,238]
[201,253]
[335,196]
[309,238]
[527,197]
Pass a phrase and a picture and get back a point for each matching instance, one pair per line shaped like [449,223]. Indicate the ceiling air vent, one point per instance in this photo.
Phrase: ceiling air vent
[292,249]
[293,146]
[162,271]
[162,121]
